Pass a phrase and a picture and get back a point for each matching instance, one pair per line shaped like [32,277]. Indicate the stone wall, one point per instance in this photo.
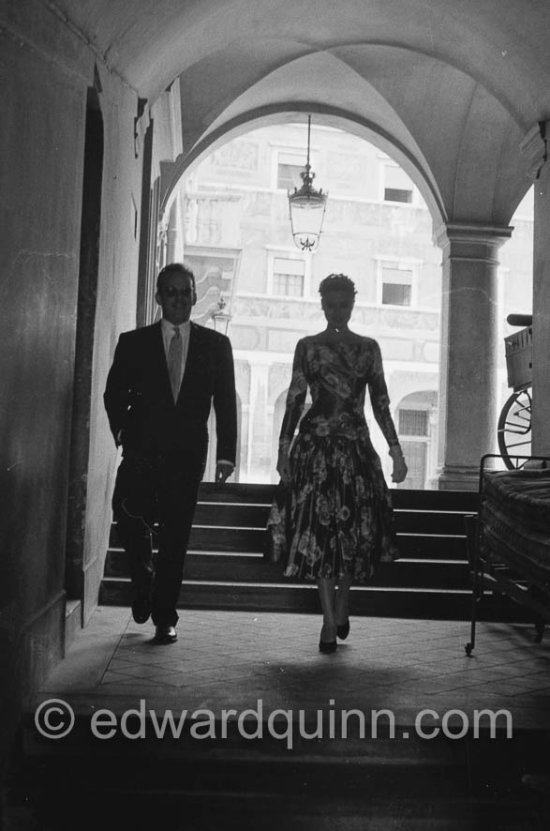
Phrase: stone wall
[47,72]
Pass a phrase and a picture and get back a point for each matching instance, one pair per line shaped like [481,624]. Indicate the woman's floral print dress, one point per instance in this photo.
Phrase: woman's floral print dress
[334,518]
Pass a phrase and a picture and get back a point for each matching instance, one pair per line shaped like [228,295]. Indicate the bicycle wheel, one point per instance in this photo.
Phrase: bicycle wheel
[514,429]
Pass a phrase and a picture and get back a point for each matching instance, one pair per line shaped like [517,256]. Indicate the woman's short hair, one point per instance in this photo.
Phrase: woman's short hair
[337,282]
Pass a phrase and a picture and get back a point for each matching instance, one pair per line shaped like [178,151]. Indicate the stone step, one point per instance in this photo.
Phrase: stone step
[431,500]
[228,515]
[354,783]
[435,604]
[252,568]
[202,810]
[254,540]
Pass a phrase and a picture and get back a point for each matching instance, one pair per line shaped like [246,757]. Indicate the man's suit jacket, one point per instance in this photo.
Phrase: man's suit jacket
[140,405]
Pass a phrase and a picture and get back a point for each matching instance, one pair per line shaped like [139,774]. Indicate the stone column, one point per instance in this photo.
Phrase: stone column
[538,148]
[468,363]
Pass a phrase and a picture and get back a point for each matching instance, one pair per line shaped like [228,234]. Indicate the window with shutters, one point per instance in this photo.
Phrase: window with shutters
[288,276]
[289,168]
[397,285]
[413,422]
[415,429]
[415,453]
[397,187]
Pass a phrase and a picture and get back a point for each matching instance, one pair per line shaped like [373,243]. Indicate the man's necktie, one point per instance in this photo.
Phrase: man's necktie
[175,356]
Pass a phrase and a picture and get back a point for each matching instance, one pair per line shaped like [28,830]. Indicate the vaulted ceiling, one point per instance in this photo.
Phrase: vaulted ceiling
[449,87]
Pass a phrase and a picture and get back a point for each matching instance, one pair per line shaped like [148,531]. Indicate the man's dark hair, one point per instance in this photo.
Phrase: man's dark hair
[176,268]
[337,282]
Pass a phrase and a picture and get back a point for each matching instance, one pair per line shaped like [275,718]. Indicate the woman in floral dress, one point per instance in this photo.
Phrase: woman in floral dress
[332,522]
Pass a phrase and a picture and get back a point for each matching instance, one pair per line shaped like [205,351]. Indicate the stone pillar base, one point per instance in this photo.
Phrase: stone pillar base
[458,478]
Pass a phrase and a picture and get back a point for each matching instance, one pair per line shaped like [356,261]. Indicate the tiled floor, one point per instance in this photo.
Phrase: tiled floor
[235,659]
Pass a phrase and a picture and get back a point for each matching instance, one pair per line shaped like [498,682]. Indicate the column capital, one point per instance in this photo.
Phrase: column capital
[472,242]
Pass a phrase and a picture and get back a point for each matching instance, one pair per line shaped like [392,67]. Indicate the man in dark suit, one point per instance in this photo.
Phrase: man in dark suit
[159,392]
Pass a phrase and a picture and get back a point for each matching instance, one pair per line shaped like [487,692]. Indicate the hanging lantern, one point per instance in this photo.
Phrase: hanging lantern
[307,207]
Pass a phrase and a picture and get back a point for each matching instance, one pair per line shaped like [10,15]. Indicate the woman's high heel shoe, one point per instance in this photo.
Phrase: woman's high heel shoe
[327,646]
[343,631]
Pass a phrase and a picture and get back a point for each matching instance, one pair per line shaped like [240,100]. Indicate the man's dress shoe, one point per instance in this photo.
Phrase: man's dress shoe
[165,634]
[141,609]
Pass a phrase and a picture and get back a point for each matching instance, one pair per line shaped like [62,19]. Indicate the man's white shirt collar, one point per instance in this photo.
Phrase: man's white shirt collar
[168,328]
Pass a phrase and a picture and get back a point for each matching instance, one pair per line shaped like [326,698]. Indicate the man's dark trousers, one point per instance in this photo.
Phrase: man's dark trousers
[153,506]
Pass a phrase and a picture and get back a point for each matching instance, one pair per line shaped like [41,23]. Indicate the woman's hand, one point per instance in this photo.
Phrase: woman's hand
[400,470]
[223,471]
[283,466]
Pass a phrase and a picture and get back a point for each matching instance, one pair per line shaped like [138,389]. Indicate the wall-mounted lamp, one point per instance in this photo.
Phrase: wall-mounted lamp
[307,207]
[221,317]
